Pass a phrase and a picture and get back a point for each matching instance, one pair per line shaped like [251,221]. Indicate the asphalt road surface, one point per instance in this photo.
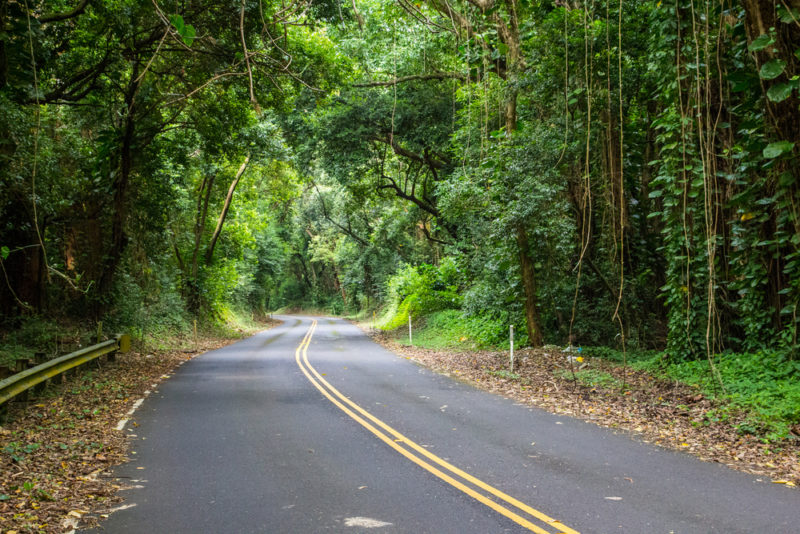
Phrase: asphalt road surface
[311,427]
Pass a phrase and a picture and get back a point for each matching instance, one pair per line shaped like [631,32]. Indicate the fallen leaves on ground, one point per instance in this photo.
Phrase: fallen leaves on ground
[667,414]
[56,452]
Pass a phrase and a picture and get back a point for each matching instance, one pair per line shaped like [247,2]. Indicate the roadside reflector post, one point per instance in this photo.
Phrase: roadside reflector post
[410,342]
[511,337]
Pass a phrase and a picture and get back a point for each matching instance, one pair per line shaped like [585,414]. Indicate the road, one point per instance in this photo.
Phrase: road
[311,427]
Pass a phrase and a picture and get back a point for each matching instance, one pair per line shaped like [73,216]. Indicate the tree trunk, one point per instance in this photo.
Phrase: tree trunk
[190,276]
[509,33]
[22,278]
[338,283]
[224,213]
[119,238]
[784,120]
[200,220]
[532,320]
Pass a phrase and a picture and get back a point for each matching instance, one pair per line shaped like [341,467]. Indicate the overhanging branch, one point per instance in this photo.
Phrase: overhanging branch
[344,229]
[413,77]
[55,17]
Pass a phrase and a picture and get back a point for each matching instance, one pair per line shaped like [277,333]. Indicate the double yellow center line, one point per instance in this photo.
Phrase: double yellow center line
[480,491]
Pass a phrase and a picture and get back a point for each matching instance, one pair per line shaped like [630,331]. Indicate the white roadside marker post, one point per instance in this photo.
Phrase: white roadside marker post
[410,342]
[511,335]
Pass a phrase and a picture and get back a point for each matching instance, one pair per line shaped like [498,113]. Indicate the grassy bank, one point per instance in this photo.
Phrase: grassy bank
[758,393]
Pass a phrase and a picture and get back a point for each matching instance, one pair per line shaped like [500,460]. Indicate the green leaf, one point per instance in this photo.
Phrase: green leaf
[742,80]
[188,34]
[502,48]
[760,42]
[793,15]
[772,69]
[177,21]
[773,150]
[779,92]
[4,251]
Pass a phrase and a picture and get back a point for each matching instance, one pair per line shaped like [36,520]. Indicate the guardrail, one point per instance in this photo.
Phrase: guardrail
[23,381]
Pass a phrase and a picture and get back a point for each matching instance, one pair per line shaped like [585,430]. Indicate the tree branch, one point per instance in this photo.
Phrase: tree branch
[55,17]
[429,237]
[411,198]
[400,151]
[247,56]
[403,79]
[328,217]
[225,207]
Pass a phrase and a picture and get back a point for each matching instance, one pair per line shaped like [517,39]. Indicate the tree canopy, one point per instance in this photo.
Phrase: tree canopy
[604,173]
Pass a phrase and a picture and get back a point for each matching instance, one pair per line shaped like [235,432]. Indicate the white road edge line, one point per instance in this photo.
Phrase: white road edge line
[123,422]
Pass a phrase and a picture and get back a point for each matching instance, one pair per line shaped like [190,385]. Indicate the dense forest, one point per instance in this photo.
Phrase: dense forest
[621,174]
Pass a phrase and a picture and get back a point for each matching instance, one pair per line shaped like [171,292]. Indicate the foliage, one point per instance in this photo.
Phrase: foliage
[117,158]
[622,176]
[420,291]
[454,330]
[764,384]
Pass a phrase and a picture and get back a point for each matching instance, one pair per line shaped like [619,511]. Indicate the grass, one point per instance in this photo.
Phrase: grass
[764,385]
[503,373]
[451,329]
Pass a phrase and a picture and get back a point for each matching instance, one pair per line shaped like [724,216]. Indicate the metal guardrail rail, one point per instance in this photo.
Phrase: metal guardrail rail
[23,381]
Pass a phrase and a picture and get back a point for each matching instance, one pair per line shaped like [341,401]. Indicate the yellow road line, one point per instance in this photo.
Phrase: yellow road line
[400,438]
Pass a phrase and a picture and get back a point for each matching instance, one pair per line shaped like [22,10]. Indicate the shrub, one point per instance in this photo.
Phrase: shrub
[419,291]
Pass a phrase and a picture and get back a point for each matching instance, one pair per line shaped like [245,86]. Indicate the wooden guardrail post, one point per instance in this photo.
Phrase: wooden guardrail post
[124,344]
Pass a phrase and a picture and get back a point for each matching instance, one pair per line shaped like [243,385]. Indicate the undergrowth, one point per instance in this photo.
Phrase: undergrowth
[765,385]
[55,338]
[40,335]
[451,329]
[592,378]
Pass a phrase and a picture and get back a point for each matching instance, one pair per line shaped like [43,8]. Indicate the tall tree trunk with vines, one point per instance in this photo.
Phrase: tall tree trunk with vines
[783,119]
[508,31]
